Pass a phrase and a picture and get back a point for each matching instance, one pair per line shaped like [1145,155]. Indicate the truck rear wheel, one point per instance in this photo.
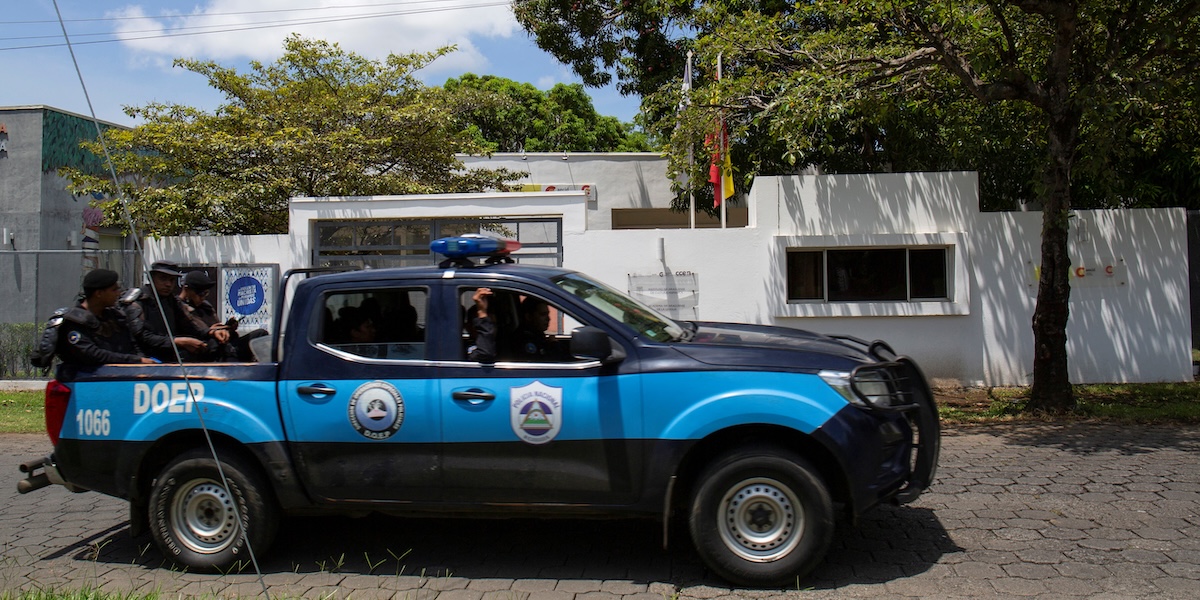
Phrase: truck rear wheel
[761,517]
[194,519]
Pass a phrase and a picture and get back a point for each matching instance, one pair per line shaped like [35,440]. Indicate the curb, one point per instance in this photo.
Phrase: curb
[17,385]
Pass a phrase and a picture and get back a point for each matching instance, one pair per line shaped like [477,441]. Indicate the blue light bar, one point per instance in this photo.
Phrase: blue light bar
[464,246]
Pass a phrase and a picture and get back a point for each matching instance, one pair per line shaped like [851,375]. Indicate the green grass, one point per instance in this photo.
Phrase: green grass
[76,595]
[1177,403]
[21,412]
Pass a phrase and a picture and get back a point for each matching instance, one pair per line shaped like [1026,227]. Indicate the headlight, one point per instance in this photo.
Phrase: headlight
[867,387]
[840,382]
[872,384]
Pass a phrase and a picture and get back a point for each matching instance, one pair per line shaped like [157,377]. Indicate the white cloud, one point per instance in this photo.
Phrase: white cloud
[254,29]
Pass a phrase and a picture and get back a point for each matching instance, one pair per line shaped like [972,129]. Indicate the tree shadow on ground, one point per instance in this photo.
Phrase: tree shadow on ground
[1086,437]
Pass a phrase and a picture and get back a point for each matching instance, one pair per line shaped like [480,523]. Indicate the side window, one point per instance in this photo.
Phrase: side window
[518,327]
[868,274]
[386,323]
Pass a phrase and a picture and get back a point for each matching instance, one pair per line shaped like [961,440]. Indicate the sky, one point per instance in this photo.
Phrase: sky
[125,50]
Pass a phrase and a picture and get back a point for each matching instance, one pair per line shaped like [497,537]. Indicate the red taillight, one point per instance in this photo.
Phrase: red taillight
[57,397]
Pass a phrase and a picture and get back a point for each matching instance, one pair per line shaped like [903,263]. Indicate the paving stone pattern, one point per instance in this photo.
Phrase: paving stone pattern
[1018,510]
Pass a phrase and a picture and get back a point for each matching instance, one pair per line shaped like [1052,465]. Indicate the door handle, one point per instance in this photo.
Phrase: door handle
[315,389]
[474,394]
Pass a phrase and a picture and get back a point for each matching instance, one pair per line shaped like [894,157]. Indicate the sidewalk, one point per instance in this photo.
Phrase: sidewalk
[11,385]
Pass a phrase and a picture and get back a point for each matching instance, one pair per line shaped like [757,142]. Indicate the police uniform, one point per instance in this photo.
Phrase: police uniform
[535,346]
[148,312]
[86,340]
[482,347]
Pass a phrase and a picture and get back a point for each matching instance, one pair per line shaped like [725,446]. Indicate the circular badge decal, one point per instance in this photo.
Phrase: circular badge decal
[246,295]
[376,410]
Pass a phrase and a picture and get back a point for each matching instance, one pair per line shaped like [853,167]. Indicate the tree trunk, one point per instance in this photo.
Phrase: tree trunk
[1051,390]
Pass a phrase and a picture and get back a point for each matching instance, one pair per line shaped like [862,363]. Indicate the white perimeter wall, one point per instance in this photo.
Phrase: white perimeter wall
[1131,328]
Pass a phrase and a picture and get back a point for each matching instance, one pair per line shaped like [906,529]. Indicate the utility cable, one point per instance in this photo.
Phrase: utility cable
[252,27]
[224,14]
[158,301]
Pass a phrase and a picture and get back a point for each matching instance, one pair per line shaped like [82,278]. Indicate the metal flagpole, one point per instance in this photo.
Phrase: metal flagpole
[723,144]
[687,88]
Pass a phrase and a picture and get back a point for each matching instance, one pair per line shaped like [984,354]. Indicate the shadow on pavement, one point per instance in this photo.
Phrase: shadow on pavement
[889,543]
[1087,437]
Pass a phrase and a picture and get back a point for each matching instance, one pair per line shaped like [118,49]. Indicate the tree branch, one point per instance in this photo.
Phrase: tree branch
[1016,86]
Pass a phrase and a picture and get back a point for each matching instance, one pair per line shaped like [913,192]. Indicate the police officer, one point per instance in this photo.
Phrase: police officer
[185,334]
[530,342]
[192,293]
[481,328]
[95,331]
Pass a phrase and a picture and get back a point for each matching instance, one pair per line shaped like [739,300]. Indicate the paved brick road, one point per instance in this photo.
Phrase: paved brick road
[1030,510]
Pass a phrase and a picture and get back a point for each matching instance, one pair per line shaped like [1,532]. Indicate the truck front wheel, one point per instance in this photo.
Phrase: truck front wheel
[199,523]
[761,517]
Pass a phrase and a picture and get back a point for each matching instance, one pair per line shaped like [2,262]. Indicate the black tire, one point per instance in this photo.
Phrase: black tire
[761,517]
[192,517]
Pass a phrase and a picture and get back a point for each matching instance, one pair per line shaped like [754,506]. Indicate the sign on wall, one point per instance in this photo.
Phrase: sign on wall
[248,294]
[1097,272]
[587,188]
[675,294]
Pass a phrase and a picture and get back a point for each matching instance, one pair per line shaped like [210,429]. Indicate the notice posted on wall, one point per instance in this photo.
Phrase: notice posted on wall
[1094,273]
[248,294]
[675,294]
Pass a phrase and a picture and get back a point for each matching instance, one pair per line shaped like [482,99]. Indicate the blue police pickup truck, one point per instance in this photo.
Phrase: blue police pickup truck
[369,399]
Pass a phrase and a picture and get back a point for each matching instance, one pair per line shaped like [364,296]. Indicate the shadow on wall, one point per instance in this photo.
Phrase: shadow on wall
[1133,332]
[1116,333]
[877,205]
[882,203]
[1005,250]
[1137,331]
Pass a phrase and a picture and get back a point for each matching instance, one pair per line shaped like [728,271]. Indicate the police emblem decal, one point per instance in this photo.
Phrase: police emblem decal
[535,411]
[73,337]
[376,410]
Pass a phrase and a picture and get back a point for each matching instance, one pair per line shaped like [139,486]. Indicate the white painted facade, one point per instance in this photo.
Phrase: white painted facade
[1133,327]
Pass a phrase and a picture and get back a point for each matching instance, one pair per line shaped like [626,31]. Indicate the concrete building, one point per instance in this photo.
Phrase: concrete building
[907,258]
[48,236]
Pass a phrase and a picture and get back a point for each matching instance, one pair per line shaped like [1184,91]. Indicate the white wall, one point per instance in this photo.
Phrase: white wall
[1132,327]
[617,179]
[224,250]
[983,335]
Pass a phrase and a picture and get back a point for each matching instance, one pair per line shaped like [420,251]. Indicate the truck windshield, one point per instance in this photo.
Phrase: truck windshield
[638,317]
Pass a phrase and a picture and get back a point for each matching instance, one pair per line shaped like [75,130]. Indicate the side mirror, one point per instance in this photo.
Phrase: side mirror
[592,343]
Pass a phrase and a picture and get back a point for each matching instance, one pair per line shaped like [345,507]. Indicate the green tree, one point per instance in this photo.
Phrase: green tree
[512,117]
[1082,93]
[320,121]
[643,45]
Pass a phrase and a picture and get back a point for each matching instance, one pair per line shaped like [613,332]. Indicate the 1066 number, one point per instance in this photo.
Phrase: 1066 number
[93,422]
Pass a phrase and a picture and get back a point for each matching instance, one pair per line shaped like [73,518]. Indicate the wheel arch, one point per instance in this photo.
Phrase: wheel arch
[171,446]
[708,449]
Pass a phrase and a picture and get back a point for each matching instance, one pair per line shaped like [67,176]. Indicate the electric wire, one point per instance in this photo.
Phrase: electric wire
[180,30]
[122,201]
[222,14]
